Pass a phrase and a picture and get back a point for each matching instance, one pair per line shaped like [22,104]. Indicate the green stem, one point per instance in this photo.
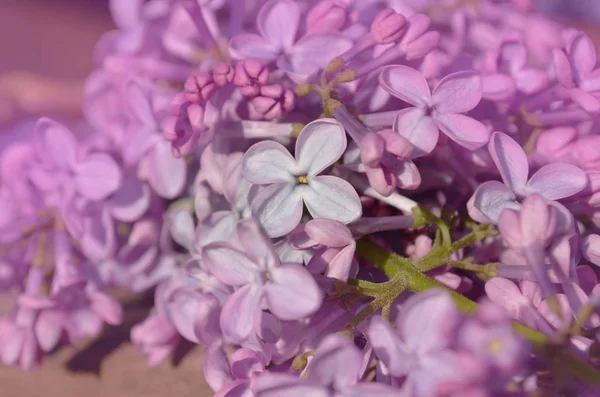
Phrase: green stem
[396,267]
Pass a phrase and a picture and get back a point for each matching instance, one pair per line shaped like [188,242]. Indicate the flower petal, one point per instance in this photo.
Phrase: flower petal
[489,200]
[328,232]
[419,129]
[464,130]
[228,264]
[182,228]
[562,68]
[331,197]
[405,83]
[388,347]
[458,92]
[292,292]
[272,384]
[258,248]
[139,104]
[583,54]
[166,174]
[246,45]
[240,314]
[337,362]
[98,176]
[216,366]
[131,201]
[55,143]
[277,22]
[319,145]
[278,208]
[314,51]
[268,162]
[556,181]
[587,101]
[510,159]
[423,321]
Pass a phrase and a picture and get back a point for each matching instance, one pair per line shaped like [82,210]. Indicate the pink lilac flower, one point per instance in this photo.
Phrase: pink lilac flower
[278,22]
[288,290]
[334,371]
[576,70]
[292,182]
[435,110]
[553,181]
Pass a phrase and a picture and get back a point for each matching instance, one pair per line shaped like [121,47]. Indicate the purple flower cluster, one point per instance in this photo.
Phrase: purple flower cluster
[320,191]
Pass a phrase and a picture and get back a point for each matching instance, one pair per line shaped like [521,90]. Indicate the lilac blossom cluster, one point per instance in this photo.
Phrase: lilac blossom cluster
[319,191]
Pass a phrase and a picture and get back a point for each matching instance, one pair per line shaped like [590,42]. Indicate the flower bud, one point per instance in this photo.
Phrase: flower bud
[326,15]
[250,75]
[388,26]
[199,88]
[272,102]
[223,74]
[372,148]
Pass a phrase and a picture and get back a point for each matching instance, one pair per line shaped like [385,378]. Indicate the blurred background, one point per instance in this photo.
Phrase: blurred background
[45,44]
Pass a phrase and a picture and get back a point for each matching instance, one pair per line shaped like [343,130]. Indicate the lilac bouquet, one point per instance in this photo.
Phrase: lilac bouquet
[335,197]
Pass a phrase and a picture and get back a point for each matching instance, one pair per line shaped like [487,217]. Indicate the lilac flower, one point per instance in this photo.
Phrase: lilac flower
[506,72]
[336,257]
[335,371]
[553,181]
[231,377]
[61,166]
[292,182]
[165,174]
[277,23]
[288,290]
[438,110]
[420,348]
[576,70]
[156,338]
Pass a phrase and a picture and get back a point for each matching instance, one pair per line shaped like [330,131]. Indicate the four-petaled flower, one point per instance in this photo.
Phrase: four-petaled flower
[438,110]
[291,181]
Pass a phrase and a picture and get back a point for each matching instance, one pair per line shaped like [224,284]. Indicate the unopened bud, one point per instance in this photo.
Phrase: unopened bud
[326,15]
[388,26]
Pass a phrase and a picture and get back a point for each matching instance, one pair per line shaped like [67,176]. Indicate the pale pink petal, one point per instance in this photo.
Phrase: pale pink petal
[240,314]
[292,292]
[314,51]
[138,141]
[457,93]
[328,232]
[562,68]
[507,294]
[98,241]
[108,308]
[166,174]
[556,181]
[139,104]
[464,130]
[419,129]
[531,81]
[510,159]
[49,328]
[98,176]
[405,83]
[247,45]
[583,53]
[228,264]
[489,200]
[388,347]
[337,362]
[331,197]
[216,366]
[131,200]
[277,22]
[498,87]
[278,208]
[341,264]
[424,319]
[278,384]
[258,248]
[125,14]
[319,145]
[55,143]
[587,101]
[268,162]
